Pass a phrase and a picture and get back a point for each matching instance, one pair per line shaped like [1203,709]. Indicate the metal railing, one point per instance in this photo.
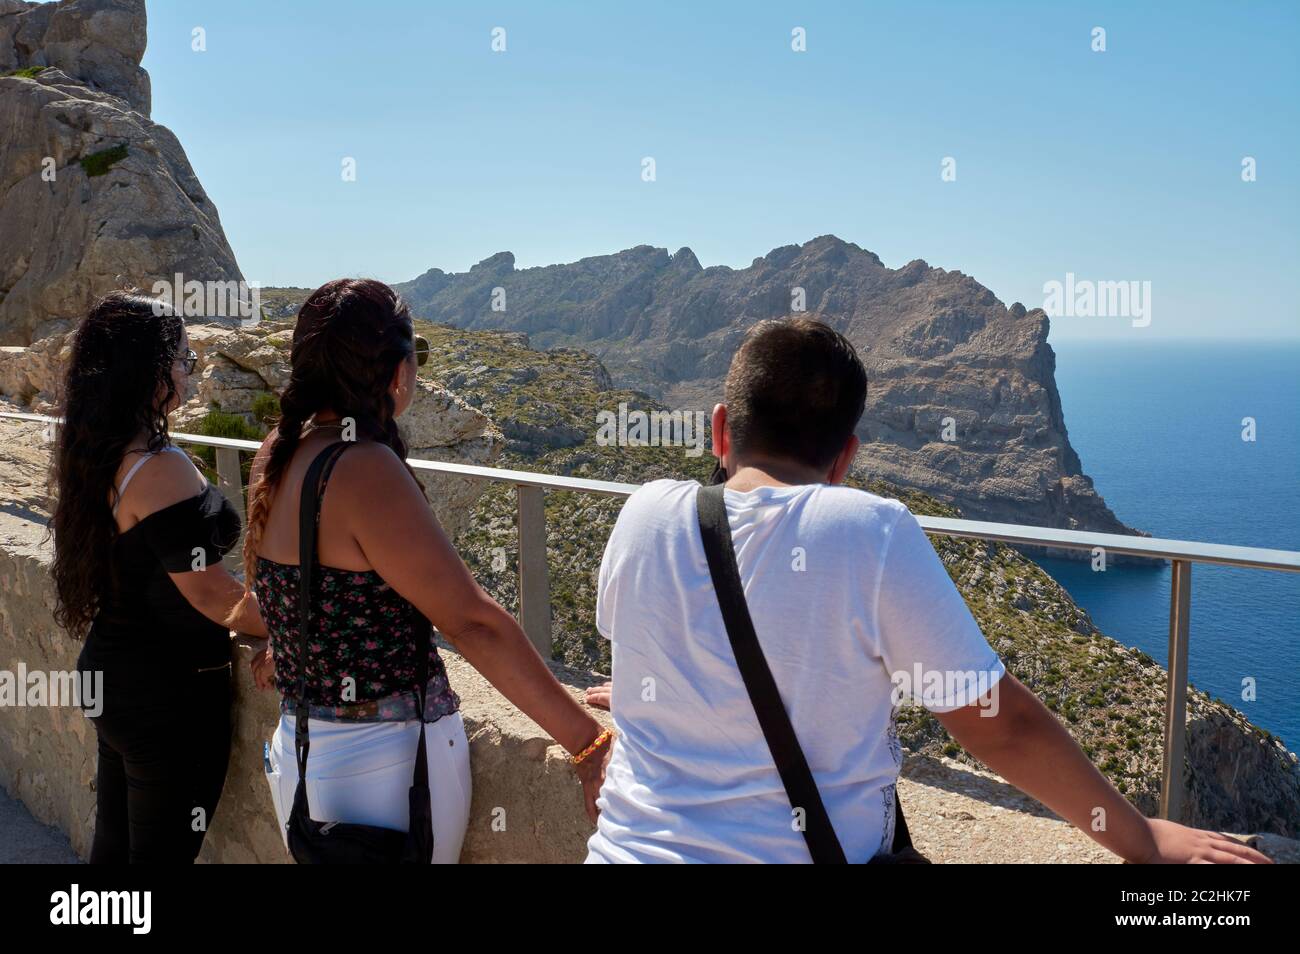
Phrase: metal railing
[534,581]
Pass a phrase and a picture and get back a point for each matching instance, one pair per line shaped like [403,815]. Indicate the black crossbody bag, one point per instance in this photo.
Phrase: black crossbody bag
[311,841]
[791,764]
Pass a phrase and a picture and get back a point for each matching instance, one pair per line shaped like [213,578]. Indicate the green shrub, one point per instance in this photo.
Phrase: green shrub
[222,424]
[98,163]
[266,409]
[27,72]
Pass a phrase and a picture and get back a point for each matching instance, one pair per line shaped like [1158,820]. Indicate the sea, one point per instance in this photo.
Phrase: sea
[1196,441]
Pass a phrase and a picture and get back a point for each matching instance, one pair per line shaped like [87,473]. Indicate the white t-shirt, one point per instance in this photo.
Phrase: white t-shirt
[844,590]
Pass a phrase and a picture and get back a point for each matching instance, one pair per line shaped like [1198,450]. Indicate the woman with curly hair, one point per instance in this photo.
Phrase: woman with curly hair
[138,539]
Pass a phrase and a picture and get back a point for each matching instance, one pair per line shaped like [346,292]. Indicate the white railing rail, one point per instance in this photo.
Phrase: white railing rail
[534,580]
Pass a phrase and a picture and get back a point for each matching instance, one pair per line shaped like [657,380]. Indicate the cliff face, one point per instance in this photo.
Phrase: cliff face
[93,194]
[962,401]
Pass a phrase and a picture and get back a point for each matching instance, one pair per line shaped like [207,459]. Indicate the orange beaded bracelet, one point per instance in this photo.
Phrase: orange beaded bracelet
[597,743]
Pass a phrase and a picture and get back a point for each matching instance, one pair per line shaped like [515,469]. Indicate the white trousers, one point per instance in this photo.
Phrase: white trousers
[360,772]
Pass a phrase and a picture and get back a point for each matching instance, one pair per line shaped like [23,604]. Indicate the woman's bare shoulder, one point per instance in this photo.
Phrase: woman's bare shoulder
[371,471]
[162,480]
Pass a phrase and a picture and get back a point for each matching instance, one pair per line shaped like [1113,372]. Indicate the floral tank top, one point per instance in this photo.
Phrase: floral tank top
[363,649]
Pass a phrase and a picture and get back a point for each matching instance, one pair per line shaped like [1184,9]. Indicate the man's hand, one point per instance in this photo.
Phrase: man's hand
[262,666]
[1179,845]
[598,696]
[1019,739]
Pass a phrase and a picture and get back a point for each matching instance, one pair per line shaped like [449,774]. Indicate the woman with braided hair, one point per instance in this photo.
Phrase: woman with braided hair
[383,567]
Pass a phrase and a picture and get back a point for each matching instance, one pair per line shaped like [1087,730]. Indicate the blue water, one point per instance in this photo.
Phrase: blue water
[1158,427]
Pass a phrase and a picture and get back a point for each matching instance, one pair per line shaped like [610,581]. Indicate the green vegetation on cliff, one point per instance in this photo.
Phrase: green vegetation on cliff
[98,163]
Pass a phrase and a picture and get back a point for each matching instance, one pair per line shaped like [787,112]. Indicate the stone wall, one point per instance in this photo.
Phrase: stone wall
[47,755]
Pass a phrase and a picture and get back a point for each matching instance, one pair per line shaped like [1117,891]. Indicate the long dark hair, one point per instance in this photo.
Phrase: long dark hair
[351,336]
[118,386]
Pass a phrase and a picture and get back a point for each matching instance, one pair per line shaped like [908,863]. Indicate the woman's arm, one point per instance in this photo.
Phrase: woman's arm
[213,591]
[163,481]
[1025,744]
[396,529]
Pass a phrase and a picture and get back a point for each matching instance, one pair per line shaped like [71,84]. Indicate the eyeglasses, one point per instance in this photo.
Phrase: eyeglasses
[190,360]
[421,351]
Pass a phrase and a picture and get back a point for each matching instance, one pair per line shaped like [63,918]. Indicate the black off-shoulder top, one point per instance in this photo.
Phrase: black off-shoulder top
[146,630]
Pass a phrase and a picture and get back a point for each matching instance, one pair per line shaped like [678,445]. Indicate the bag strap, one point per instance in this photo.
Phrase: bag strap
[800,786]
[791,764]
[420,779]
[308,523]
[313,487]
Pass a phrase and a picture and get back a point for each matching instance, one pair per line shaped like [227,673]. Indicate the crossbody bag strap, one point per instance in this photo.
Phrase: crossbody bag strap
[308,523]
[791,764]
[420,778]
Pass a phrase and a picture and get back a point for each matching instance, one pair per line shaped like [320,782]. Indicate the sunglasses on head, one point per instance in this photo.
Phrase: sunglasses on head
[190,360]
[421,351]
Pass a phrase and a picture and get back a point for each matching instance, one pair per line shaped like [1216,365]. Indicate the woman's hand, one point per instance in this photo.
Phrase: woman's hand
[598,696]
[262,666]
[591,773]
[1179,845]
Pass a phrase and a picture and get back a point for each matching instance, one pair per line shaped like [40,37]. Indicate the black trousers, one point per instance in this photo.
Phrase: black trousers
[162,764]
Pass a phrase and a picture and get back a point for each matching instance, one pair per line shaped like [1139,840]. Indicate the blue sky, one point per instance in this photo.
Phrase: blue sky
[1122,165]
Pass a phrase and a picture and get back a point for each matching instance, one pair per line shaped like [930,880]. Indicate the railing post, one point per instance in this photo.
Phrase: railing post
[230,481]
[534,577]
[1172,788]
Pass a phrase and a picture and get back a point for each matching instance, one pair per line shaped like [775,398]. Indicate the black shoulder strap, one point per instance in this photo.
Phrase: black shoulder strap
[308,523]
[800,786]
[313,486]
[797,778]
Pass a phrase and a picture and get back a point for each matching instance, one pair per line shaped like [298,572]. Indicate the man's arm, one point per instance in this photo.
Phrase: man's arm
[1027,746]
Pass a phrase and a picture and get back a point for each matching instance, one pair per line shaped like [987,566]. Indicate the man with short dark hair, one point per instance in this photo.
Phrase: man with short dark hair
[853,611]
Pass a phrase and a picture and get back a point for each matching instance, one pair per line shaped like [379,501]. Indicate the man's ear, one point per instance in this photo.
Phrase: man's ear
[721,444]
[844,460]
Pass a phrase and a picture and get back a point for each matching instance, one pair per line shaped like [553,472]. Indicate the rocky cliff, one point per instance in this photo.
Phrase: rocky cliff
[962,402]
[94,195]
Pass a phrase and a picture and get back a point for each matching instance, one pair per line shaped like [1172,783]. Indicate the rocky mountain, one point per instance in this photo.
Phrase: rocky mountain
[962,400]
[94,195]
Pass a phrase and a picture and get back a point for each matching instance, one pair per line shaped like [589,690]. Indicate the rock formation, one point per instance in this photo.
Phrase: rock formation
[962,402]
[93,195]
[237,366]
[241,364]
